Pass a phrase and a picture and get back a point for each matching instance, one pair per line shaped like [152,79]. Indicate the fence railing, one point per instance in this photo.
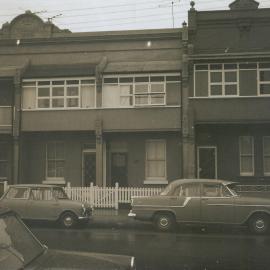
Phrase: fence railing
[111,197]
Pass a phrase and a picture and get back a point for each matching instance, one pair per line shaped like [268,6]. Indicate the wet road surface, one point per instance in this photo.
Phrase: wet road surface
[187,248]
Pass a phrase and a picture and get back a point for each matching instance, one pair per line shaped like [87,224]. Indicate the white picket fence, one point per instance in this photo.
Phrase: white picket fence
[108,197]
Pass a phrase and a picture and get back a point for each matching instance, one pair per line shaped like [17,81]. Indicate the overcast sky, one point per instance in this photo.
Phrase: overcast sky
[106,15]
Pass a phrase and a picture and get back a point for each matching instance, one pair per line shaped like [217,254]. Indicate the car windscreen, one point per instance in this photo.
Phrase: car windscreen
[169,190]
[18,246]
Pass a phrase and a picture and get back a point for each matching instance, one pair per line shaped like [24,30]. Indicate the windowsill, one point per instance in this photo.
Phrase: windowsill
[156,182]
[54,181]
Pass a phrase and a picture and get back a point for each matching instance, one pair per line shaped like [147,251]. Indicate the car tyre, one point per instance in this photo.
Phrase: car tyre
[68,220]
[259,224]
[164,221]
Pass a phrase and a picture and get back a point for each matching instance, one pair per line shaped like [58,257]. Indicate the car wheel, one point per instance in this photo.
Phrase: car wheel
[259,224]
[68,220]
[164,222]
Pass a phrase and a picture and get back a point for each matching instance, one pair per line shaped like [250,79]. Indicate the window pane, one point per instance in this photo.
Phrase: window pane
[230,66]
[216,66]
[110,80]
[59,149]
[157,88]
[246,165]
[59,168]
[266,146]
[210,190]
[141,88]
[216,77]
[33,83]
[58,91]
[231,89]
[72,91]
[265,75]
[3,169]
[156,169]
[111,96]
[88,96]
[72,82]
[58,103]
[230,76]
[126,101]
[126,80]
[246,145]
[44,83]
[87,81]
[248,66]
[216,90]
[157,99]
[43,92]
[58,82]
[157,79]
[51,171]
[174,78]
[201,67]
[141,100]
[142,79]
[265,89]
[125,90]
[73,102]
[44,103]
[266,164]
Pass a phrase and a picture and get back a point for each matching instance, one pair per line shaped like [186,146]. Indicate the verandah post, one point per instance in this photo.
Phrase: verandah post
[116,196]
[92,194]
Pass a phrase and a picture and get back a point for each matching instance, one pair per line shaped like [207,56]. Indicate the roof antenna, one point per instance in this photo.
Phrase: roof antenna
[172,10]
[53,17]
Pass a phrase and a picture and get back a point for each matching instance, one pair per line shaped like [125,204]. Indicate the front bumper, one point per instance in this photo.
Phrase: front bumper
[131,214]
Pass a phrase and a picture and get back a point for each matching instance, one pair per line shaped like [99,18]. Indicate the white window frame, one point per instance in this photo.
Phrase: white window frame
[65,96]
[241,155]
[264,155]
[156,180]
[259,79]
[148,93]
[4,161]
[55,179]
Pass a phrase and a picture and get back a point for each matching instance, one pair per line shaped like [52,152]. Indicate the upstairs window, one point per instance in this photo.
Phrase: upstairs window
[264,78]
[59,94]
[141,90]
[246,150]
[3,161]
[266,155]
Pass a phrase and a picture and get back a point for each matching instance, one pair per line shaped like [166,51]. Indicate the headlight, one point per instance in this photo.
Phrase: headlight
[132,263]
[83,207]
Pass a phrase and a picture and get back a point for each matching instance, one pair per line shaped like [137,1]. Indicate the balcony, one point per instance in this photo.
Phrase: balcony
[5,119]
[114,120]
[231,110]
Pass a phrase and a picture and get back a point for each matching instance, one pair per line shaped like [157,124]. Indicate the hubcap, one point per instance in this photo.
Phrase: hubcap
[68,221]
[164,222]
[260,224]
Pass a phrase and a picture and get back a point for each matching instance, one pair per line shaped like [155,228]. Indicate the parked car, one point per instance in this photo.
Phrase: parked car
[20,249]
[202,201]
[45,202]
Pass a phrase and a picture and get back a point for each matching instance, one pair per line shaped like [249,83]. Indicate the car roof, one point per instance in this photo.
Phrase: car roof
[34,186]
[186,181]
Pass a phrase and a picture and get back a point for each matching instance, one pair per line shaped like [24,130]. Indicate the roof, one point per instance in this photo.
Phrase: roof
[185,181]
[33,185]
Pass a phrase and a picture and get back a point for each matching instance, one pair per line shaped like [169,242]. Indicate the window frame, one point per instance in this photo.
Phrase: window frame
[246,155]
[153,179]
[65,97]
[4,161]
[150,95]
[264,155]
[54,179]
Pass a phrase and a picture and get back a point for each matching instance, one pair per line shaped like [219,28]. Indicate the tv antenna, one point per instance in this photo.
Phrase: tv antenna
[50,19]
[172,9]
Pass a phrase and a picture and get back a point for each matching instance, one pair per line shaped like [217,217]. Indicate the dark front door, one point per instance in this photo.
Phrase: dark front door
[207,163]
[89,168]
[119,169]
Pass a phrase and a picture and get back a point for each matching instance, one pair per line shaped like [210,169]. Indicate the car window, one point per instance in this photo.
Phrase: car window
[41,194]
[17,193]
[59,193]
[189,190]
[215,190]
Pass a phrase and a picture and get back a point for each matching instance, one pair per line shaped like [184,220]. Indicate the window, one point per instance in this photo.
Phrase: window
[55,160]
[223,80]
[59,94]
[215,190]
[155,160]
[266,155]
[3,161]
[18,193]
[190,190]
[264,78]
[139,90]
[246,150]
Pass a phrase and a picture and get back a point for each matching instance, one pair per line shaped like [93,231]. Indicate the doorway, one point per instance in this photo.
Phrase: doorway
[88,168]
[207,162]
[119,169]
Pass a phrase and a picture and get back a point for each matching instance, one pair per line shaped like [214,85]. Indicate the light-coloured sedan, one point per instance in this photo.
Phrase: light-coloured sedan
[202,201]
[45,202]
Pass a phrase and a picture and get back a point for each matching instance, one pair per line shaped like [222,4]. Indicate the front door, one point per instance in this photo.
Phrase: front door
[89,168]
[119,169]
[207,162]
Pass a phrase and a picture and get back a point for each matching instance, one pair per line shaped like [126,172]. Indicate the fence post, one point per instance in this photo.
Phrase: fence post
[116,196]
[92,194]
[5,186]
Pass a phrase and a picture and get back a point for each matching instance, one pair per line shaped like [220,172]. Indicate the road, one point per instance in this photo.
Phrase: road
[189,248]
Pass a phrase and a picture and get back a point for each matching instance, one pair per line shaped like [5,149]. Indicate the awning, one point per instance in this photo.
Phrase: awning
[149,66]
[49,71]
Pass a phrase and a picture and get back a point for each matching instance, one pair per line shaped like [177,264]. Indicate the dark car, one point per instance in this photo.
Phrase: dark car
[45,202]
[202,201]
[20,249]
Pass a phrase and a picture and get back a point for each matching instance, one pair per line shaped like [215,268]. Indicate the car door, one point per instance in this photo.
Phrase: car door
[42,204]
[217,204]
[188,203]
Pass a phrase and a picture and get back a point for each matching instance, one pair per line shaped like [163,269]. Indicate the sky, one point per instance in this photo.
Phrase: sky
[111,15]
